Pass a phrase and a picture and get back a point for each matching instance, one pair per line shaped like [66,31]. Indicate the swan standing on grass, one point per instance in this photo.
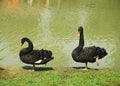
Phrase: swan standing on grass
[87,54]
[34,57]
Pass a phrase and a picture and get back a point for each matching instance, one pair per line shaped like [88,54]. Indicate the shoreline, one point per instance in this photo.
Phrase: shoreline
[57,76]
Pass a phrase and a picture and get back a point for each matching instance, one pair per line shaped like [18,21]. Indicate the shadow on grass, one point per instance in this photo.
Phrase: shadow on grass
[81,68]
[1,68]
[38,68]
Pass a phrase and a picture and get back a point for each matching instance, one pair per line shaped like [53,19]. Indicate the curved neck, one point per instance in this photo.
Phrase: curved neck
[81,40]
[30,45]
[28,49]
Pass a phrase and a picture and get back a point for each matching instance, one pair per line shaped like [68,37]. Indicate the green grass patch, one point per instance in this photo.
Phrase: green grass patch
[17,76]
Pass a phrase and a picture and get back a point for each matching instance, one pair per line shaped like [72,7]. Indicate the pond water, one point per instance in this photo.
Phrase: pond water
[53,24]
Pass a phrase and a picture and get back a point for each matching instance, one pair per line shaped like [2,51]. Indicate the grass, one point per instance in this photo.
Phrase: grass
[59,76]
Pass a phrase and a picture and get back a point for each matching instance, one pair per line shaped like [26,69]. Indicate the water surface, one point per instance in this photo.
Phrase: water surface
[52,24]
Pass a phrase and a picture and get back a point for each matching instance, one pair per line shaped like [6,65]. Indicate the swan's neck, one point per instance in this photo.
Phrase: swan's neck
[30,45]
[81,40]
[28,49]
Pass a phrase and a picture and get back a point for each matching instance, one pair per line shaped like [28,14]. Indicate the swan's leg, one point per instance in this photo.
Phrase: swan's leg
[97,61]
[86,66]
[34,67]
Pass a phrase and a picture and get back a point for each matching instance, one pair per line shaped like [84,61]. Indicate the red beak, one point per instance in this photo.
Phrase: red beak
[78,33]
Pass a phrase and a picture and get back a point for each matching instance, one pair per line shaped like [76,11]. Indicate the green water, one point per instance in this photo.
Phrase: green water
[52,25]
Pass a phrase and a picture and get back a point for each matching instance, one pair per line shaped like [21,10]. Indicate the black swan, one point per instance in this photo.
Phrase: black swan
[88,54]
[34,57]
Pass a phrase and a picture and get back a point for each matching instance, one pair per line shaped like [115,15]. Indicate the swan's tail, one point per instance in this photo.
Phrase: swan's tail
[101,52]
[46,53]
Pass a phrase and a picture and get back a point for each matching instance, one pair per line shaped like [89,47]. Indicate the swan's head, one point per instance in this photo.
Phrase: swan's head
[23,40]
[80,29]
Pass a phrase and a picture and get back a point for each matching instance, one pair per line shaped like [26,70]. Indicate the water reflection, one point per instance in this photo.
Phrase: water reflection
[58,3]
[4,3]
[14,4]
[30,3]
[47,3]
[44,24]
